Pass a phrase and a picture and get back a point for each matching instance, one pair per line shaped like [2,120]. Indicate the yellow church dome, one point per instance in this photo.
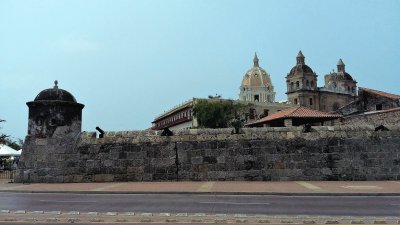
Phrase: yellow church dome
[256,76]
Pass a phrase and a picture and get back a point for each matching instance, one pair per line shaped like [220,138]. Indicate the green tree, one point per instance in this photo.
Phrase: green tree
[5,139]
[217,113]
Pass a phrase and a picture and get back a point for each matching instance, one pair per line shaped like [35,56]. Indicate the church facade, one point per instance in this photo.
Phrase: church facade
[339,89]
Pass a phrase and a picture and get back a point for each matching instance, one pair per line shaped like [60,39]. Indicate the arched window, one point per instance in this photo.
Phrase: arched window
[312,83]
[307,83]
[291,86]
[297,85]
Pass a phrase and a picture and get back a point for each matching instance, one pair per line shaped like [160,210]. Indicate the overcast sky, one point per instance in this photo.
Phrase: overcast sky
[128,61]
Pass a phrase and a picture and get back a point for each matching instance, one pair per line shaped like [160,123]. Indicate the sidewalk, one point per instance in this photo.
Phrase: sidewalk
[368,188]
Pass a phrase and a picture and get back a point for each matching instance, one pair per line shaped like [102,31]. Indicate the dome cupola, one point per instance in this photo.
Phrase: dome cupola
[300,66]
[256,84]
[340,81]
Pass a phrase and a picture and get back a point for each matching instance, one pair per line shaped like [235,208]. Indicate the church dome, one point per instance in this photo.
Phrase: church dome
[341,76]
[55,94]
[256,76]
[300,66]
[341,72]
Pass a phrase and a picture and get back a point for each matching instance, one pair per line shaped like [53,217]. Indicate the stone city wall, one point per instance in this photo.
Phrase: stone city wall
[261,154]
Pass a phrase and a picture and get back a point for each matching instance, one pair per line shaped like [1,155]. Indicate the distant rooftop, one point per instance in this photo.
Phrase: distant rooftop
[381,93]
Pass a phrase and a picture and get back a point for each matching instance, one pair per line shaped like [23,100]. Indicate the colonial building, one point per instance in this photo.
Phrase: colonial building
[301,81]
[179,117]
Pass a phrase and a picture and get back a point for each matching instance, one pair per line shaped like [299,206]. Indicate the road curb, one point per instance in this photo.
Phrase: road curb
[205,193]
[121,217]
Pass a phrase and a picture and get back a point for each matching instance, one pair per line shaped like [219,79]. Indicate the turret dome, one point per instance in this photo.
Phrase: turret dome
[54,113]
[55,94]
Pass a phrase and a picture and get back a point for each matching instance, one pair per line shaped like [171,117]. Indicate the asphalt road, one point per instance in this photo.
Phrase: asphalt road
[213,204]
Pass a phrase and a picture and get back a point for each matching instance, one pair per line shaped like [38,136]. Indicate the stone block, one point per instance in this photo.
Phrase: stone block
[93,163]
[103,177]
[108,163]
[221,159]
[41,141]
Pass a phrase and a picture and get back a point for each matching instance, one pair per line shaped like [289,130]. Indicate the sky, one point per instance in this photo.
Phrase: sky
[129,61]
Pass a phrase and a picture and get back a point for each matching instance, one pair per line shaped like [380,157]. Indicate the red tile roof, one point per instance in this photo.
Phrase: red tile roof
[297,112]
[381,93]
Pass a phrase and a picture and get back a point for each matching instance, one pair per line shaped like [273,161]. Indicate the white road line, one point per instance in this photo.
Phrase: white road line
[67,201]
[237,203]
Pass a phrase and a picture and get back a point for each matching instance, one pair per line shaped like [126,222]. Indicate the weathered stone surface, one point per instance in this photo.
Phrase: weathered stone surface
[328,153]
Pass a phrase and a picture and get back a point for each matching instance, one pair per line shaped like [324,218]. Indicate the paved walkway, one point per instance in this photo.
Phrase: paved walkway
[218,187]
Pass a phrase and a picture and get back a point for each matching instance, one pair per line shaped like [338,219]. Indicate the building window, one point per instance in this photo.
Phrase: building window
[291,86]
[307,83]
[378,107]
[256,98]
[297,85]
[295,101]
[311,102]
[312,83]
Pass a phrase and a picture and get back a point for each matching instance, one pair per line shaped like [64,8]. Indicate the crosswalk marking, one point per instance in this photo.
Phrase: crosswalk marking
[310,186]
[206,187]
[105,187]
